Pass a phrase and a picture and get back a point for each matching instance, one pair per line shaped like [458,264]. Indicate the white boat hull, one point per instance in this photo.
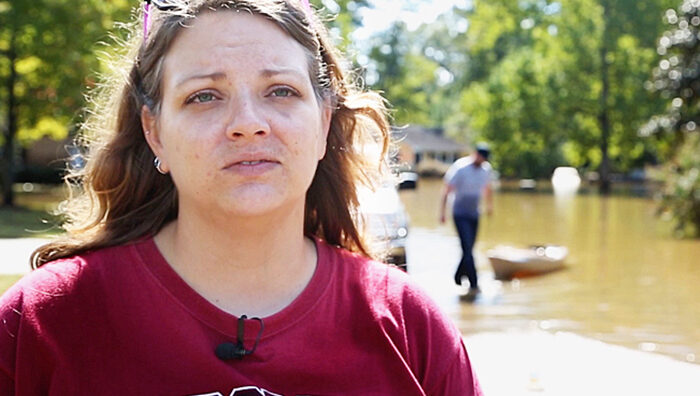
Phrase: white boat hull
[510,262]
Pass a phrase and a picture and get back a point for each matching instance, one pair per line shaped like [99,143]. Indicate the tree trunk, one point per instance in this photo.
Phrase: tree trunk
[603,117]
[9,149]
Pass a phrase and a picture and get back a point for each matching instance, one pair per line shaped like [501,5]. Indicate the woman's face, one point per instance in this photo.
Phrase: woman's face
[240,129]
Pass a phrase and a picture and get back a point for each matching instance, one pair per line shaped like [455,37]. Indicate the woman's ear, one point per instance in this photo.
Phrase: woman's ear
[149,124]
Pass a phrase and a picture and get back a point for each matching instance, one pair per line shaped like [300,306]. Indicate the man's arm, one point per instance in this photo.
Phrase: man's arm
[446,191]
[488,196]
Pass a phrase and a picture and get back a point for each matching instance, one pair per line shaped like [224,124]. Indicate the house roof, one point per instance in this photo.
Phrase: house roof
[423,139]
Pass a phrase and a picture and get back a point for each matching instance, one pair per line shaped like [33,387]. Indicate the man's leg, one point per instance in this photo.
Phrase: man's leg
[470,264]
[466,229]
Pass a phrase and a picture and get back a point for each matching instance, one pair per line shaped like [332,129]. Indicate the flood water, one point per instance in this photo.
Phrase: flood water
[626,280]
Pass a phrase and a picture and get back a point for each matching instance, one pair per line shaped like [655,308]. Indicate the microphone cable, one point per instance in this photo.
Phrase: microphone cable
[228,350]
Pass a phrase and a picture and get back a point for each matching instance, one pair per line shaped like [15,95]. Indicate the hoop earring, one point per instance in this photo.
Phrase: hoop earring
[157,164]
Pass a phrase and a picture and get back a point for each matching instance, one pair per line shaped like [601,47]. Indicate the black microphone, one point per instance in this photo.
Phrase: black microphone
[228,350]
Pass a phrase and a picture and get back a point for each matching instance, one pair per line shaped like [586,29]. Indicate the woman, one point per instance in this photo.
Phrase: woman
[232,264]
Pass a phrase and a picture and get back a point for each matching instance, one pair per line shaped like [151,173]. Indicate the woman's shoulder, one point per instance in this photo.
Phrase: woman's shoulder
[401,306]
[385,286]
[365,269]
[65,277]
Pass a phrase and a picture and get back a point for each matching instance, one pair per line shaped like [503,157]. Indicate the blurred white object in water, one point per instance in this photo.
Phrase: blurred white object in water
[509,262]
[565,179]
[527,184]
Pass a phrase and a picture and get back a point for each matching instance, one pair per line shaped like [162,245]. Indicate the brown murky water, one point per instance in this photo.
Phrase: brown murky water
[626,281]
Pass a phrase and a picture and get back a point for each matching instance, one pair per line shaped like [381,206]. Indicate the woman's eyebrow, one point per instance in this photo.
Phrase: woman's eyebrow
[267,73]
[207,76]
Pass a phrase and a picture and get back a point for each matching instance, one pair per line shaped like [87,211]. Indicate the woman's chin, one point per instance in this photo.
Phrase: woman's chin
[257,209]
[251,200]
[258,203]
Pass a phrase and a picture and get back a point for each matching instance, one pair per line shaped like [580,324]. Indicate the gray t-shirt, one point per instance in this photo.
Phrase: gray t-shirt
[469,182]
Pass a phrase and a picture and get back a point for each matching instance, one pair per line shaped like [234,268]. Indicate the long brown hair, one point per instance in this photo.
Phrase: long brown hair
[118,197]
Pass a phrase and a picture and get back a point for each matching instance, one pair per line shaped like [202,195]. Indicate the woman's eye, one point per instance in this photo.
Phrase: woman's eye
[283,92]
[201,97]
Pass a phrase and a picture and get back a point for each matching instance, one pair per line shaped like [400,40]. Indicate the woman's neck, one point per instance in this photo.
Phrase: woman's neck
[254,266]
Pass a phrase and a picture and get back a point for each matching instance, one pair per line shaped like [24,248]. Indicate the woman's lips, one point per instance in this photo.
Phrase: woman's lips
[252,167]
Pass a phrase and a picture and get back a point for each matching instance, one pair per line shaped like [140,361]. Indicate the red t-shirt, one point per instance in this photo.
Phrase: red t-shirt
[120,321]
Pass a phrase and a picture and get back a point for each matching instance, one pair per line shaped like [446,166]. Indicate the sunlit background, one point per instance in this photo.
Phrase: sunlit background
[589,106]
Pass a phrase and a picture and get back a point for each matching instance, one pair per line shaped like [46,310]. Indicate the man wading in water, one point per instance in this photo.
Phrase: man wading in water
[468,179]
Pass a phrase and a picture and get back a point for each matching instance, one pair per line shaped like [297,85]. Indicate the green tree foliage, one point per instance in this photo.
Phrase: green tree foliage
[416,70]
[343,17]
[559,69]
[406,78]
[528,128]
[681,192]
[677,81]
[619,39]
[548,83]
[46,59]
[514,94]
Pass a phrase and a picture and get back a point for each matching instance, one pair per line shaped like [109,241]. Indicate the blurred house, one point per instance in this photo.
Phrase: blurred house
[426,150]
[44,160]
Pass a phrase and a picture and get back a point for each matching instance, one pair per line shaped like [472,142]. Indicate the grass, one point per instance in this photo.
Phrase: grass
[7,280]
[31,216]
[17,222]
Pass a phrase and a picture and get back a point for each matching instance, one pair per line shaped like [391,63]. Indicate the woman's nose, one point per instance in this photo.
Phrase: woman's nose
[246,120]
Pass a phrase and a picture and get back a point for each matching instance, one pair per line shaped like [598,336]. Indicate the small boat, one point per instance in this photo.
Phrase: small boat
[511,262]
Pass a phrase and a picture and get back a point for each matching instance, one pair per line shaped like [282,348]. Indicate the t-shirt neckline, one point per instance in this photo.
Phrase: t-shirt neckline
[154,262]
